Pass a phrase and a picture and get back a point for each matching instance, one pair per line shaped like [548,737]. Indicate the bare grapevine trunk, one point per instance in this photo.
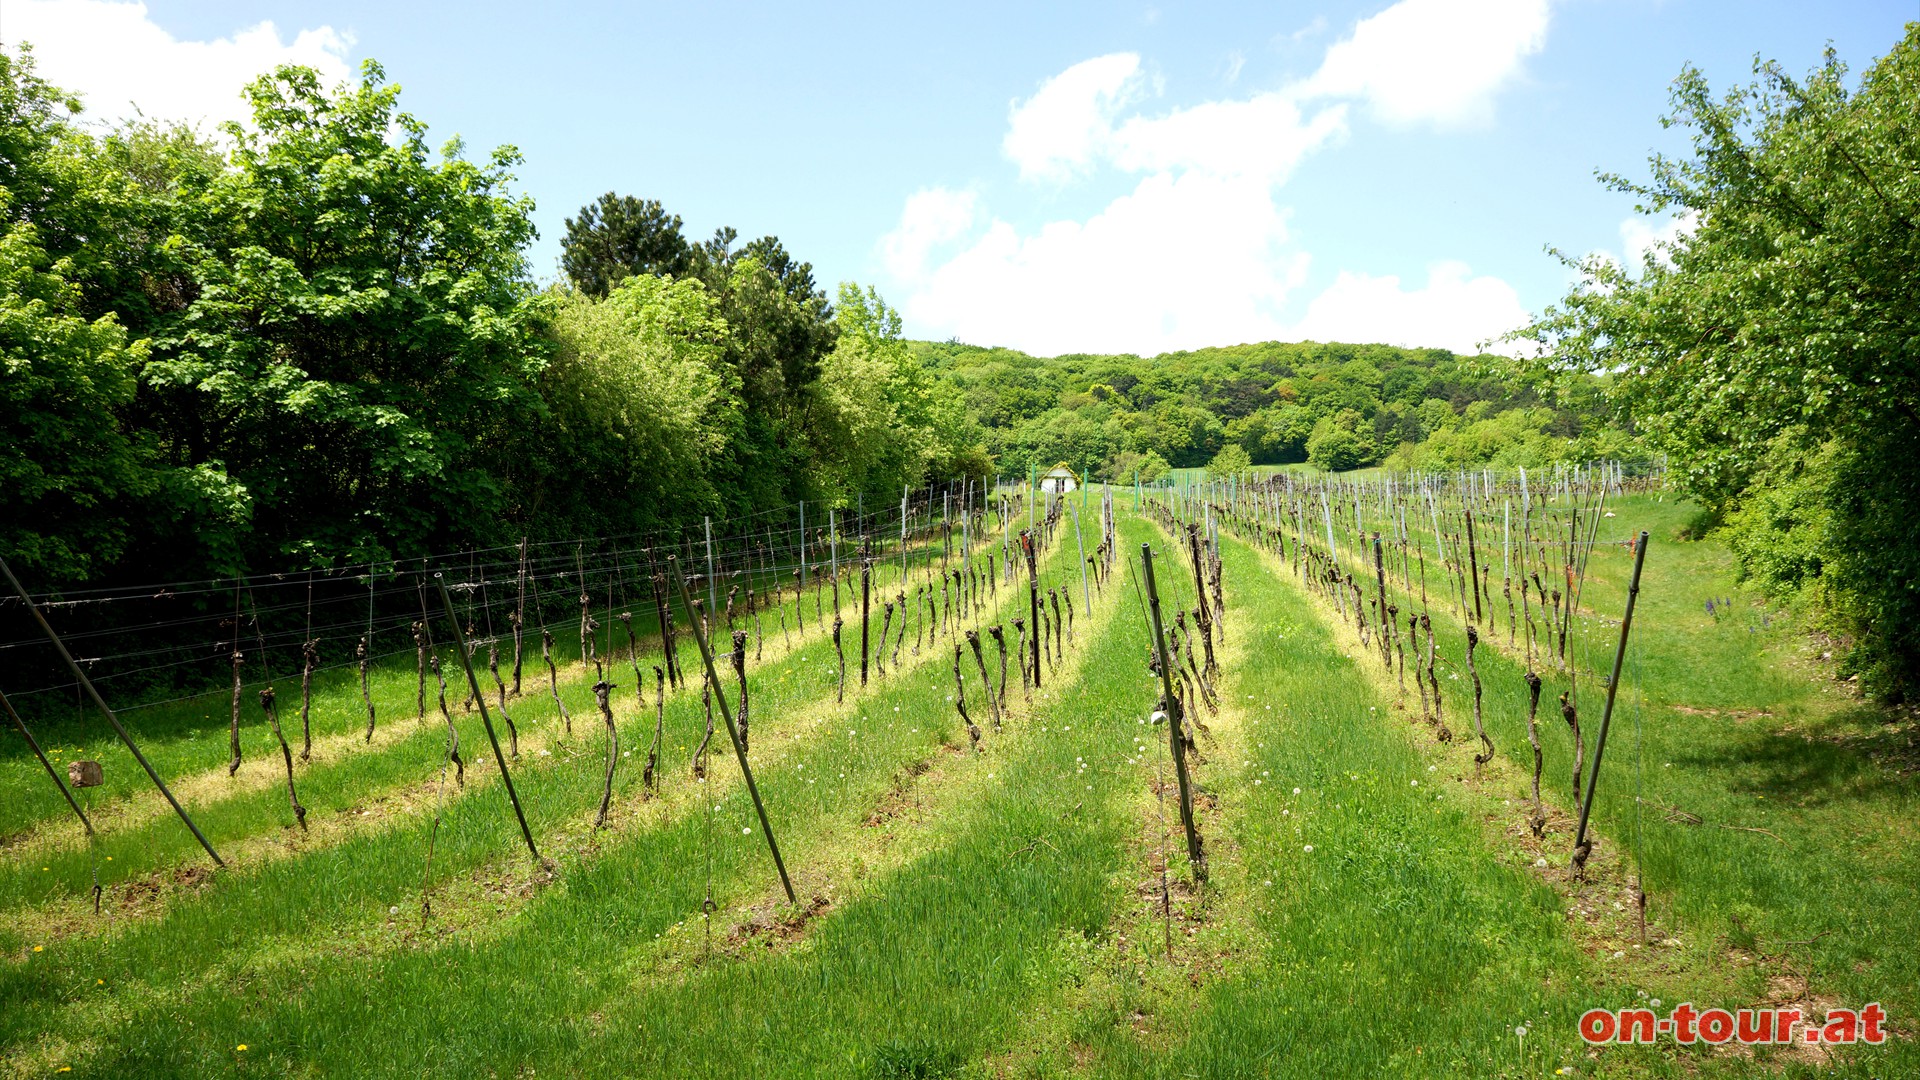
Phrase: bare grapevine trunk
[453,734]
[840,693]
[649,781]
[1000,696]
[740,672]
[366,694]
[493,666]
[309,659]
[979,658]
[553,677]
[286,755]
[233,729]
[1539,819]
[1571,715]
[1479,728]
[960,699]
[420,670]
[1419,678]
[602,691]
[1441,731]
[900,603]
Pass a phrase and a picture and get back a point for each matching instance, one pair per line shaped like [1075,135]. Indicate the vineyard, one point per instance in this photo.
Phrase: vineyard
[990,782]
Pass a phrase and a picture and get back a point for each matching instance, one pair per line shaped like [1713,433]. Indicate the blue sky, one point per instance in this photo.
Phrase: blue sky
[1094,177]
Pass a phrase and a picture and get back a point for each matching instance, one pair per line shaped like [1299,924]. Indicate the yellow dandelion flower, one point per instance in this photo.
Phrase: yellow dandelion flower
[242,1046]
[36,948]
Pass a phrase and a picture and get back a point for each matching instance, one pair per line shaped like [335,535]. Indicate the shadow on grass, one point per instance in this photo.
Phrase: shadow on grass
[1859,754]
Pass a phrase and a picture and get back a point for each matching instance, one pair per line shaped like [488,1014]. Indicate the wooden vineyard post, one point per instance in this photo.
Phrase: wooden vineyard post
[866,602]
[1080,542]
[486,719]
[100,702]
[1581,846]
[713,601]
[1387,634]
[739,751]
[1473,567]
[1196,854]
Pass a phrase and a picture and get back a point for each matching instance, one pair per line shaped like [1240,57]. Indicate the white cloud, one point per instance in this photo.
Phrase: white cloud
[1198,252]
[933,217]
[1641,238]
[1262,137]
[1437,61]
[1182,261]
[1453,310]
[115,56]
[1063,127]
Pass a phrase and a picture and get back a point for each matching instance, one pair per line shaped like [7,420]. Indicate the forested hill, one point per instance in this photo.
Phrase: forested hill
[1335,405]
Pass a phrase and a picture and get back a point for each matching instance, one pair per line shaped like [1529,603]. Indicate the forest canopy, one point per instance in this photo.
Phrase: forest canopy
[1331,405]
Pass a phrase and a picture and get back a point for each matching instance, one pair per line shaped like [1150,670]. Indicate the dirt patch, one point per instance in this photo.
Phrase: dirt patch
[771,923]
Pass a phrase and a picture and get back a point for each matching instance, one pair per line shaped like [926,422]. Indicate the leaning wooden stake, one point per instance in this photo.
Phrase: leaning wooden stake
[739,751]
[1582,847]
[21,725]
[100,702]
[1196,854]
[486,719]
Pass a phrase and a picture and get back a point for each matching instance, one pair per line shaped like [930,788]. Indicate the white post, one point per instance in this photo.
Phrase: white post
[1085,596]
[712,592]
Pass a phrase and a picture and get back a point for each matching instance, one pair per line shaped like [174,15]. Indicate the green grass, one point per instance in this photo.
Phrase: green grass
[997,914]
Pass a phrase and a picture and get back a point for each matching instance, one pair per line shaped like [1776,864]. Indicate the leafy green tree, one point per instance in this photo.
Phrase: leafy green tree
[1232,460]
[618,236]
[635,396]
[358,336]
[1335,449]
[885,422]
[66,467]
[1792,309]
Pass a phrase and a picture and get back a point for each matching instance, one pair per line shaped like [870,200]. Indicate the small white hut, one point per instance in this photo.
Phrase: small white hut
[1059,480]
